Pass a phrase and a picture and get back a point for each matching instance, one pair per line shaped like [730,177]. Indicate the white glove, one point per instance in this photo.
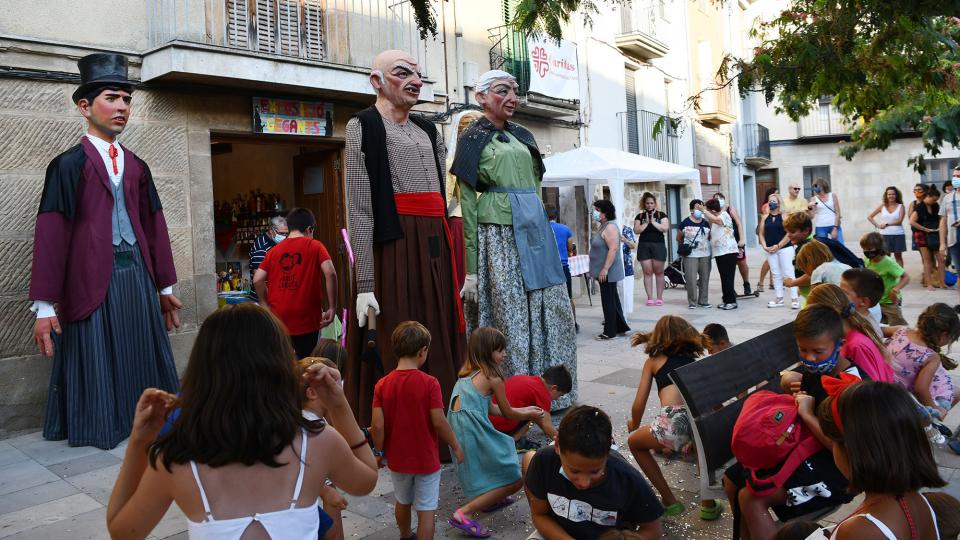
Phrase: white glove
[366,300]
[469,290]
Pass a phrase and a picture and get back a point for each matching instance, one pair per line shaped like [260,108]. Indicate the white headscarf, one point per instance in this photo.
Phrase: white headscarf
[486,80]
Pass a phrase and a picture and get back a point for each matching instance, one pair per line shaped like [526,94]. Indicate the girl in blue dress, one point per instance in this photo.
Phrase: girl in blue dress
[490,472]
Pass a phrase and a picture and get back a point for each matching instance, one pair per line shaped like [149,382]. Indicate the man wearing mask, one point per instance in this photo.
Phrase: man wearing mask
[950,220]
[396,197]
[106,334]
[275,233]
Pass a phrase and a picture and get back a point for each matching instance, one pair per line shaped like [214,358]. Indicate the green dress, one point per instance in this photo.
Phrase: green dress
[489,457]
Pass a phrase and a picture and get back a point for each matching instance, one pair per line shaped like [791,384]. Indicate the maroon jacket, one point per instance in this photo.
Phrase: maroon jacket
[73,242]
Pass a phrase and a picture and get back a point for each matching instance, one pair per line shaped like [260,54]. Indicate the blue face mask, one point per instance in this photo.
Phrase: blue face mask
[279,238]
[596,215]
[698,214]
[773,206]
[816,189]
[824,366]
[955,182]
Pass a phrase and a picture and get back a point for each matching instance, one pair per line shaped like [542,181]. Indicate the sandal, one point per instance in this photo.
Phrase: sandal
[711,513]
[603,337]
[674,509]
[469,526]
[502,503]
[658,302]
[649,302]
[759,287]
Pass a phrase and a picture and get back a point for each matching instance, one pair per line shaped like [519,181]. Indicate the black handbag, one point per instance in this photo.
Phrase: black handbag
[685,249]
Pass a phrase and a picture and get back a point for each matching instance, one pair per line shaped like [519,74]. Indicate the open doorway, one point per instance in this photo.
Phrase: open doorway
[257,177]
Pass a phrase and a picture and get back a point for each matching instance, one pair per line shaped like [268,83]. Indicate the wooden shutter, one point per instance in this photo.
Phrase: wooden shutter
[266,26]
[631,121]
[237,24]
[311,30]
[288,27]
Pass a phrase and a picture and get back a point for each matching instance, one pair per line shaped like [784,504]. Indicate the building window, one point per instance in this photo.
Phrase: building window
[709,175]
[812,173]
[631,118]
[938,171]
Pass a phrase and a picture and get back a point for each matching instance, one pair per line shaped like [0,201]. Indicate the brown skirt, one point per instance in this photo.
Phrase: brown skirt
[413,280]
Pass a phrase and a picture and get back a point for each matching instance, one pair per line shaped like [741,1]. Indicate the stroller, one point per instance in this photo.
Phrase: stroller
[673,274]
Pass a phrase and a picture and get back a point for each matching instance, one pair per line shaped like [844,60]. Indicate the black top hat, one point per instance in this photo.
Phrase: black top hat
[101,70]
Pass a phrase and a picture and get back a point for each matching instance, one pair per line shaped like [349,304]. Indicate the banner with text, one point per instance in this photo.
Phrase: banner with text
[553,68]
[292,117]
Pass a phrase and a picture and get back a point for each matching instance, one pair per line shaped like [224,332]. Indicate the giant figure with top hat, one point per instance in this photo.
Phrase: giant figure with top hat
[102,272]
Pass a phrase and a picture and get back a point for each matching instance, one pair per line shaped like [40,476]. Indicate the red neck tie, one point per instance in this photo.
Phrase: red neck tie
[113,157]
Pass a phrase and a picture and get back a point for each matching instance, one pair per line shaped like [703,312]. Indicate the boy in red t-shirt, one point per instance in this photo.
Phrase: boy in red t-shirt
[290,282]
[527,390]
[407,419]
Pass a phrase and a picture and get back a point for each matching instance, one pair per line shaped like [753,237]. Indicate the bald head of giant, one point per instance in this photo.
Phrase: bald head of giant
[395,75]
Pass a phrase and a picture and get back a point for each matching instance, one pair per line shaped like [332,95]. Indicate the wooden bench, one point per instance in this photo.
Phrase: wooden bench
[713,391]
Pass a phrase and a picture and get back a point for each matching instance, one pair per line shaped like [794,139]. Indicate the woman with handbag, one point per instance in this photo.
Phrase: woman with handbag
[925,220]
[693,240]
[774,241]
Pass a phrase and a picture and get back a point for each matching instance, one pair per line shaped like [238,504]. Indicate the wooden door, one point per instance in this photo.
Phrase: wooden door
[318,186]
[765,179]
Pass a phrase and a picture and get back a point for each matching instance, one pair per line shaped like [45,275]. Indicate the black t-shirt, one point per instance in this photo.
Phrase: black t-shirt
[623,499]
[812,385]
[650,234]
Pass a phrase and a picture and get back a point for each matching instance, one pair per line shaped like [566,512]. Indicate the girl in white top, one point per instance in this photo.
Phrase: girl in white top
[880,446]
[240,460]
[891,212]
[825,208]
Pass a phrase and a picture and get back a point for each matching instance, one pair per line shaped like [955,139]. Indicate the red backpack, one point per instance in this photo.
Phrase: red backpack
[769,433]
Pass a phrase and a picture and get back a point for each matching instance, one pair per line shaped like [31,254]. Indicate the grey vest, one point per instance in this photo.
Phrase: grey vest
[122,229]
[598,255]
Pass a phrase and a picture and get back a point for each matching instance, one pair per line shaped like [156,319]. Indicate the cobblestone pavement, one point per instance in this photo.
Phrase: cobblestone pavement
[51,491]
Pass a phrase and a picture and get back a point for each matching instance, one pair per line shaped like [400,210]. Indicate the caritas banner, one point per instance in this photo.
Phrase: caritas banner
[553,68]
[292,117]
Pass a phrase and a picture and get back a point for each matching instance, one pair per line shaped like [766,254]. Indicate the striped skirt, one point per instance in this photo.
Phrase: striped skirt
[103,363]
[538,324]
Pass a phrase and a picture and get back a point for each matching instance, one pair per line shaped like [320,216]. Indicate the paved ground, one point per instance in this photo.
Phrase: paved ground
[51,491]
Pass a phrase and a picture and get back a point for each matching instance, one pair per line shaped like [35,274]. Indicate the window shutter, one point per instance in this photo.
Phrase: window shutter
[237,23]
[633,137]
[312,30]
[288,26]
[266,26]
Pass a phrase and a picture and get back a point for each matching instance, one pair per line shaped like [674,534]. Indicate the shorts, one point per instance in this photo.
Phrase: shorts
[817,484]
[651,250]
[671,428]
[326,523]
[892,315]
[566,274]
[919,240]
[895,243]
[420,490]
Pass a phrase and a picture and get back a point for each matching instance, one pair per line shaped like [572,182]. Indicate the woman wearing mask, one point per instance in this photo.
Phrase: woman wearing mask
[891,222]
[738,236]
[694,239]
[650,226]
[825,208]
[724,250]
[925,220]
[774,241]
[606,266]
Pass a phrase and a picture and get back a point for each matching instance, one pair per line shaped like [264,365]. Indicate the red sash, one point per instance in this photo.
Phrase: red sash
[431,205]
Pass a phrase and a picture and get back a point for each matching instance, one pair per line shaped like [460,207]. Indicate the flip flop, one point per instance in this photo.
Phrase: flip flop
[603,337]
[469,526]
[502,503]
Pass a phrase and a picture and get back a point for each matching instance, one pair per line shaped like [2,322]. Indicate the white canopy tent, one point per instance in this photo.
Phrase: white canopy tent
[589,166]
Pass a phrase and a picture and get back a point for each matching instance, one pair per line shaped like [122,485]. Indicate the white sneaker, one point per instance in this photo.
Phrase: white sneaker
[775,303]
[795,304]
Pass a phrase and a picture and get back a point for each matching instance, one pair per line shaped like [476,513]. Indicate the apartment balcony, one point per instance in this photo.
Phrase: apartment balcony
[756,145]
[716,107]
[825,121]
[636,135]
[638,37]
[321,46]
[510,52]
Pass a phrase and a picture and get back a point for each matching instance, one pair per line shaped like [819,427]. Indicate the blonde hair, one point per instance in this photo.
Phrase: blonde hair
[484,341]
[812,255]
[672,336]
[828,294]
[305,363]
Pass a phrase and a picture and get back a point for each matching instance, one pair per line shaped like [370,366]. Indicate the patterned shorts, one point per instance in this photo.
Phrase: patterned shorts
[671,428]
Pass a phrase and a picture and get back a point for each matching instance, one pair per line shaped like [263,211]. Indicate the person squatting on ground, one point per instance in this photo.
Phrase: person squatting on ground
[529,390]
[719,340]
[894,278]
[490,471]
[816,483]
[672,344]
[102,255]
[650,225]
[515,282]
[580,489]
[246,430]
[407,421]
[606,266]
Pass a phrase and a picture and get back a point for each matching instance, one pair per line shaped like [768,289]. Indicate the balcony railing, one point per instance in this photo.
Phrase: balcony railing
[824,121]
[344,32]
[510,53]
[636,135]
[638,29]
[756,145]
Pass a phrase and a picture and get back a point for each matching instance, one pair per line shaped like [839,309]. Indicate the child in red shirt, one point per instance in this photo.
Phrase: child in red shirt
[407,420]
[527,390]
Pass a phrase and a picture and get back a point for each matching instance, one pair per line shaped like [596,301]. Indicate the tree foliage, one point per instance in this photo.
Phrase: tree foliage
[889,66]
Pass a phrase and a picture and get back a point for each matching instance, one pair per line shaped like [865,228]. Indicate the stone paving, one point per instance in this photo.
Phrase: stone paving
[50,491]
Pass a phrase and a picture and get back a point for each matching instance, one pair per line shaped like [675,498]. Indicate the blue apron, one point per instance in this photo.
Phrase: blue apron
[536,244]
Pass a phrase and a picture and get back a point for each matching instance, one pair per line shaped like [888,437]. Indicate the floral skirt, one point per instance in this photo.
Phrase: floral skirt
[538,324]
